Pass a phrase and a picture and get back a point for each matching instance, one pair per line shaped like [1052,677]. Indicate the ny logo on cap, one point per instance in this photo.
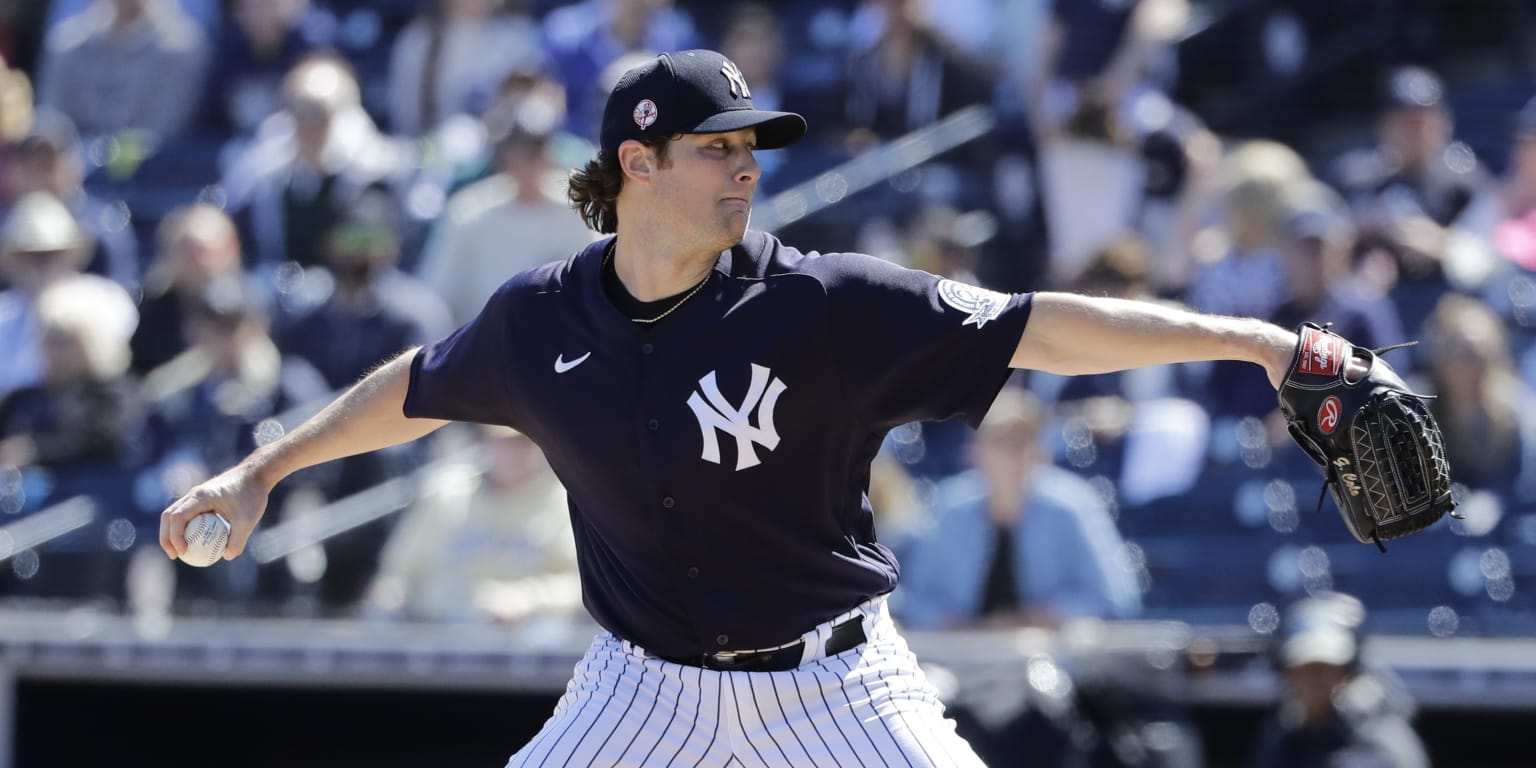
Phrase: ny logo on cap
[738,81]
[645,113]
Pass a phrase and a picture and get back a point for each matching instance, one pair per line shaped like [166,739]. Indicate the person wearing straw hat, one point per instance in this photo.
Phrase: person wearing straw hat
[40,244]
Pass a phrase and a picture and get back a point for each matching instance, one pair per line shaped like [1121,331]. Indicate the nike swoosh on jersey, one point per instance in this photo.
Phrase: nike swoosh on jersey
[561,366]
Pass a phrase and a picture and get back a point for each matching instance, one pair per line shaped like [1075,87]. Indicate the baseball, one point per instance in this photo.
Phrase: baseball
[206,536]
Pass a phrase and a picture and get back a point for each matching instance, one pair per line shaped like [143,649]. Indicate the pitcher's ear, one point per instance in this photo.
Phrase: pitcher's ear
[637,161]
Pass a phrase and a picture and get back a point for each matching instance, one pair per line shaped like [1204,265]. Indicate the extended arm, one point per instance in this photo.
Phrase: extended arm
[1073,335]
[369,416]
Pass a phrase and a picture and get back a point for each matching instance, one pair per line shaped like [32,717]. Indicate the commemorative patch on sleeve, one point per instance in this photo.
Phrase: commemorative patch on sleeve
[979,304]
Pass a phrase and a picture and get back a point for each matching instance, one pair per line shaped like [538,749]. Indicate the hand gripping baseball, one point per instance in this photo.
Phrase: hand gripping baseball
[1381,451]
[235,494]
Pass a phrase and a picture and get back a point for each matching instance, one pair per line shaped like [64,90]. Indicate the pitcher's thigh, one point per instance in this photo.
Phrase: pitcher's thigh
[621,712]
[848,712]
[903,720]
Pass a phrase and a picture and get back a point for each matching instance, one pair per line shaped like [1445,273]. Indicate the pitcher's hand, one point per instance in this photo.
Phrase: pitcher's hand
[237,494]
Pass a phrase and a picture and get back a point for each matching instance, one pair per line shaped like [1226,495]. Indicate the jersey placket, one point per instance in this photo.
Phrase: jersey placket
[662,426]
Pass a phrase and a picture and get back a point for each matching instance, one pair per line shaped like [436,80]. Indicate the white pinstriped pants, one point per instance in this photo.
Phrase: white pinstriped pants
[870,706]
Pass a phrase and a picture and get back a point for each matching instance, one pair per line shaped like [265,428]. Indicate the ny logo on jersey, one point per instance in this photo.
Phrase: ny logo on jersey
[719,414]
[738,80]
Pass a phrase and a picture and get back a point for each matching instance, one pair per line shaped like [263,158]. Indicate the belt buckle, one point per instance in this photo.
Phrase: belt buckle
[731,661]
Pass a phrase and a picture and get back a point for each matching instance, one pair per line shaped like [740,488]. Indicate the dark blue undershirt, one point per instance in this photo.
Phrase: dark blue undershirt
[632,307]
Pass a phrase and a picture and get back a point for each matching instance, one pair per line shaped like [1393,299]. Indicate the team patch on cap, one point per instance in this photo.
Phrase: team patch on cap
[982,305]
[645,113]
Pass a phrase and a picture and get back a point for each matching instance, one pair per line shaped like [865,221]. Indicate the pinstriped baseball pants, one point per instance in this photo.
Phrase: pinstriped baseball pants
[870,706]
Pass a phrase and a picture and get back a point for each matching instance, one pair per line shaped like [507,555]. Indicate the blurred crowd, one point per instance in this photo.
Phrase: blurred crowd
[216,214]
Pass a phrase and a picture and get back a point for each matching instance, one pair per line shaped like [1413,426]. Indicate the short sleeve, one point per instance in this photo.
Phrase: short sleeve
[466,376]
[917,346]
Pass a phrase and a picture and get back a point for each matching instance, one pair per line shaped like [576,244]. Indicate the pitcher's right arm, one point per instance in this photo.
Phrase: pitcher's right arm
[369,416]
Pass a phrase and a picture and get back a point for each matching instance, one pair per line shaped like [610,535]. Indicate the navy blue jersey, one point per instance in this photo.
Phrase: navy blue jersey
[717,461]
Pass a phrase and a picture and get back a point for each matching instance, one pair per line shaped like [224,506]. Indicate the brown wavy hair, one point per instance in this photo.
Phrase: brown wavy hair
[593,189]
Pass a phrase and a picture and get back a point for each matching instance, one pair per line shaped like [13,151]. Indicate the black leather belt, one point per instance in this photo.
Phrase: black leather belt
[846,636]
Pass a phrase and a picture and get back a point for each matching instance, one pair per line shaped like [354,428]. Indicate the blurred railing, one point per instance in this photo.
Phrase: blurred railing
[1188,664]
[878,164]
[45,525]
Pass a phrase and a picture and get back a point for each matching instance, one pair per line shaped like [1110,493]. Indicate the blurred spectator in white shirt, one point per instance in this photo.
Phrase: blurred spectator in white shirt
[1113,149]
[509,222]
[126,65]
[451,59]
[483,542]
[1093,180]
[84,411]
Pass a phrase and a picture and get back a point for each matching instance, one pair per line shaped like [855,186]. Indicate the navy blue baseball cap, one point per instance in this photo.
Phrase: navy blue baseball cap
[695,91]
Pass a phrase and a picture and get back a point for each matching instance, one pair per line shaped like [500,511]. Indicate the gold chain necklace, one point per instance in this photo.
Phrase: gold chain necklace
[607,257]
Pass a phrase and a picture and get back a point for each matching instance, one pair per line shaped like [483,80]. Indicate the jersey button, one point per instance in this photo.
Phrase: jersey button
[646,348]
[721,640]
[693,573]
[653,425]
[668,502]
